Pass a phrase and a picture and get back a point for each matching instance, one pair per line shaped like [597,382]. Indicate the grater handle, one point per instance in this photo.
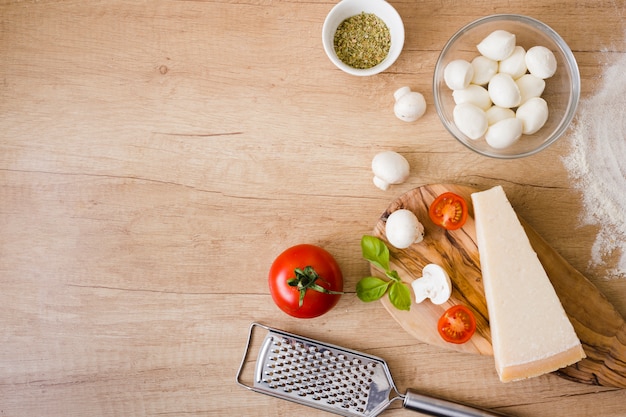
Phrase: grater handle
[442,408]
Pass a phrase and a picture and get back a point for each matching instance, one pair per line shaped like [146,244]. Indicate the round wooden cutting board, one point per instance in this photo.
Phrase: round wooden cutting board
[599,326]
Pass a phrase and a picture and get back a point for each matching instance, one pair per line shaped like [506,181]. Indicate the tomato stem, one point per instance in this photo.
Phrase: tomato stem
[305,279]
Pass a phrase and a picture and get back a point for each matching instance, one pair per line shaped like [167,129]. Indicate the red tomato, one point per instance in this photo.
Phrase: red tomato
[305,281]
[457,325]
[448,211]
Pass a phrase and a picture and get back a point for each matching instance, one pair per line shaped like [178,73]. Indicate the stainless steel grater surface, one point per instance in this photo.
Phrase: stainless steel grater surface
[331,378]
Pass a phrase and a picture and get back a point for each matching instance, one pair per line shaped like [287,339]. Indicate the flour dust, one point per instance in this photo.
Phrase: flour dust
[597,166]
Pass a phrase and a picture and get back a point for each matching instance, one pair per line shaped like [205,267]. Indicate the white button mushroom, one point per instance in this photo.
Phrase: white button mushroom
[434,284]
[498,45]
[458,74]
[389,167]
[403,229]
[410,105]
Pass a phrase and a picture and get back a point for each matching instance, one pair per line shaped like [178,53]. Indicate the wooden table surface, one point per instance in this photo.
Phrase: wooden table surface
[155,157]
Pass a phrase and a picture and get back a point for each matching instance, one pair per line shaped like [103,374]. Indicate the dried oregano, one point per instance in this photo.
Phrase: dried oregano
[362,41]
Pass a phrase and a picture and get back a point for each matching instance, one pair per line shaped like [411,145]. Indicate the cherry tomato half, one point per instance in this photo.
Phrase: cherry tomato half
[457,324]
[448,211]
[305,281]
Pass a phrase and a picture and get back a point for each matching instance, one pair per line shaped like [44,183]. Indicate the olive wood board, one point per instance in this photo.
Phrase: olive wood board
[599,326]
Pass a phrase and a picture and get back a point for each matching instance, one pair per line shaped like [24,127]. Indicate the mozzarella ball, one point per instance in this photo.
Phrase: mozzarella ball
[530,86]
[498,94]
[484,69]
[496,113]
[541,62]
[533,114]
[475,94]
[515,64]
[498,45]
[504,133]
[503,91]
[470,119]
[458,74]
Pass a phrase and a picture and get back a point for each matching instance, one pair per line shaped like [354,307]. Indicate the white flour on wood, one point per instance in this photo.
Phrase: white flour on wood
[597,166]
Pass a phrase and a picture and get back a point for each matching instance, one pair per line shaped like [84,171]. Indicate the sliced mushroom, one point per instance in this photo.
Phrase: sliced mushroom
[434,284]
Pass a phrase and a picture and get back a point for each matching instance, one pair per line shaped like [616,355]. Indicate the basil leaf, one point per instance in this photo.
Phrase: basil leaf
[400,295]
[375,251]
[371,288]
[393,275]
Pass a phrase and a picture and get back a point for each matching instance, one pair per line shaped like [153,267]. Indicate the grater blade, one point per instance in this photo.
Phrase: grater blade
[320,375]
[332,378]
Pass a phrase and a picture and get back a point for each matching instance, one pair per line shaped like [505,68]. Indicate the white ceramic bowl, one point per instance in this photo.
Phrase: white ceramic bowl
[562,91]
[348,8]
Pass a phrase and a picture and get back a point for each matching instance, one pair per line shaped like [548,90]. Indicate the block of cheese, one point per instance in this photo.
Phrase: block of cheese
[530,331]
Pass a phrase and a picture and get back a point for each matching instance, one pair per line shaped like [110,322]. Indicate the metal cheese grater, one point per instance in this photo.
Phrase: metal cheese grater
[332,378]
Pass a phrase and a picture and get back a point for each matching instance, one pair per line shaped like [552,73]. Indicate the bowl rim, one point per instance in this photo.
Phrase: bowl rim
[398,39]
[572,69]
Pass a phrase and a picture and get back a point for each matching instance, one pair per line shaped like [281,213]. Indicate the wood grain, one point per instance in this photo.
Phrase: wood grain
[155,157]
[598,325]
[455,251]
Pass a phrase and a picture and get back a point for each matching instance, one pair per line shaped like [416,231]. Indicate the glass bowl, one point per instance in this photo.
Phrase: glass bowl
[562,90]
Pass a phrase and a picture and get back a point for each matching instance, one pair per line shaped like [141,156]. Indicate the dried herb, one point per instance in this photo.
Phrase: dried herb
[362,41]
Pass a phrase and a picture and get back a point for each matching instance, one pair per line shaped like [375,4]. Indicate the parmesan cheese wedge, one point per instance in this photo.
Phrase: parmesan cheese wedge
[530,331]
